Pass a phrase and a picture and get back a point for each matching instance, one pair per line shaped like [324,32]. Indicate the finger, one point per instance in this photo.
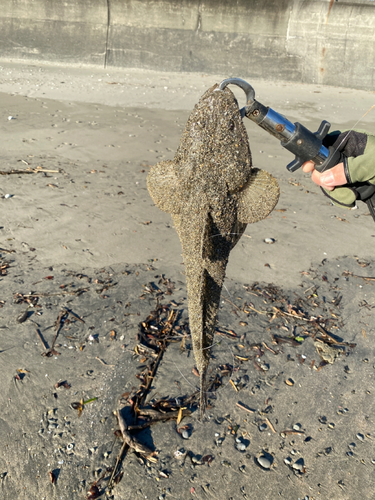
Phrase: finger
[308,166]
[331,178]
[334,176]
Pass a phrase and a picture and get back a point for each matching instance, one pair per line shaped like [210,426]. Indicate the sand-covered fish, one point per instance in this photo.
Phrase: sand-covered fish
[212,193]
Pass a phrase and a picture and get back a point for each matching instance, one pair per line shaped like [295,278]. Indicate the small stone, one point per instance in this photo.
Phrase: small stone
[287,460]
[3,474]
[70,446]
[373,462]
[269,241]
[264,461]
[179,453]
[185,434]
[238,440]
[262,427]
[349,453]
[243,468]
[360,436]
[217,434]
[352,445]
[241,446]
[293,452]
[196,460]
[289,381]
[297,427]
[299,465]
[226,463]
[331,425]
[7,196]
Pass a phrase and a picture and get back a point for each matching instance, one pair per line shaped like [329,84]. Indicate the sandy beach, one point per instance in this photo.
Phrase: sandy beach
[85,257]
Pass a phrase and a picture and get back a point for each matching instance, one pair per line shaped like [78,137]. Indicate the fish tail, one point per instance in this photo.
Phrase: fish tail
[203,393]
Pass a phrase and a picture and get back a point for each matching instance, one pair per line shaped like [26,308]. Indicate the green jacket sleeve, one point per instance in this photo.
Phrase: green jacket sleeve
[359,148]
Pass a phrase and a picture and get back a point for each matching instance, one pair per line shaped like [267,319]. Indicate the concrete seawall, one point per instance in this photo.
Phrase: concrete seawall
[312,41]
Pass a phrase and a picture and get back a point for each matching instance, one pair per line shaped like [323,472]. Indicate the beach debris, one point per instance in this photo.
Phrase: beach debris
[212,193]
[244,407]
[94,492]
[52,476]
[270,241]
[328,353]
[62,383]
[80,405]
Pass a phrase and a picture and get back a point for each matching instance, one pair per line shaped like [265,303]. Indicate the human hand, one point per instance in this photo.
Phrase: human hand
[329,179]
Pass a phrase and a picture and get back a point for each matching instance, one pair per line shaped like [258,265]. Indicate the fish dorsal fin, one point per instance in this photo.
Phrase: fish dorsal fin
[258,197]
[163,186]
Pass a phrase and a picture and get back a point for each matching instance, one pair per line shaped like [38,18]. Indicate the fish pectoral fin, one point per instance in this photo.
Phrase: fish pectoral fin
[163,186]
[258,197]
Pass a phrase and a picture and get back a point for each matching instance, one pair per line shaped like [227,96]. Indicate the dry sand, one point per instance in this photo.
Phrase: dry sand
[86,236]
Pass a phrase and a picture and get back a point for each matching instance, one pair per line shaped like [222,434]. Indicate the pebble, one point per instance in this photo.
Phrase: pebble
[269,241]
[373,462]
[185,434]
[7,196]
[243,468]
[287,460]
[299,465]
[297,427]
[226,463]
[179,453]
[349,453]
[360,436]
[241,446]
[289,381]
[219,441]
[3,474]
[351,445]
[264,462]
[262,427]
[331,425]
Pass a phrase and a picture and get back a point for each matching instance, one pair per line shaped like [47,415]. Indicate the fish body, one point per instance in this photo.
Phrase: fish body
[212,193]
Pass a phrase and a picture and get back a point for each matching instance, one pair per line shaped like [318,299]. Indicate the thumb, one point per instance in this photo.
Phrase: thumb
[335,176]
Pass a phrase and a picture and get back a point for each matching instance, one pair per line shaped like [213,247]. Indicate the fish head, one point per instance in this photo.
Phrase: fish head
[214,154]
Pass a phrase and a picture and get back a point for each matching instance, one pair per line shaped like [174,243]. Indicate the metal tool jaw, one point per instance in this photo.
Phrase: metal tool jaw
[294,137]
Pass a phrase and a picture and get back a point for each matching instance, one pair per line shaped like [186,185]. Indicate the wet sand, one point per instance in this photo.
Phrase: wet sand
[79,231]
